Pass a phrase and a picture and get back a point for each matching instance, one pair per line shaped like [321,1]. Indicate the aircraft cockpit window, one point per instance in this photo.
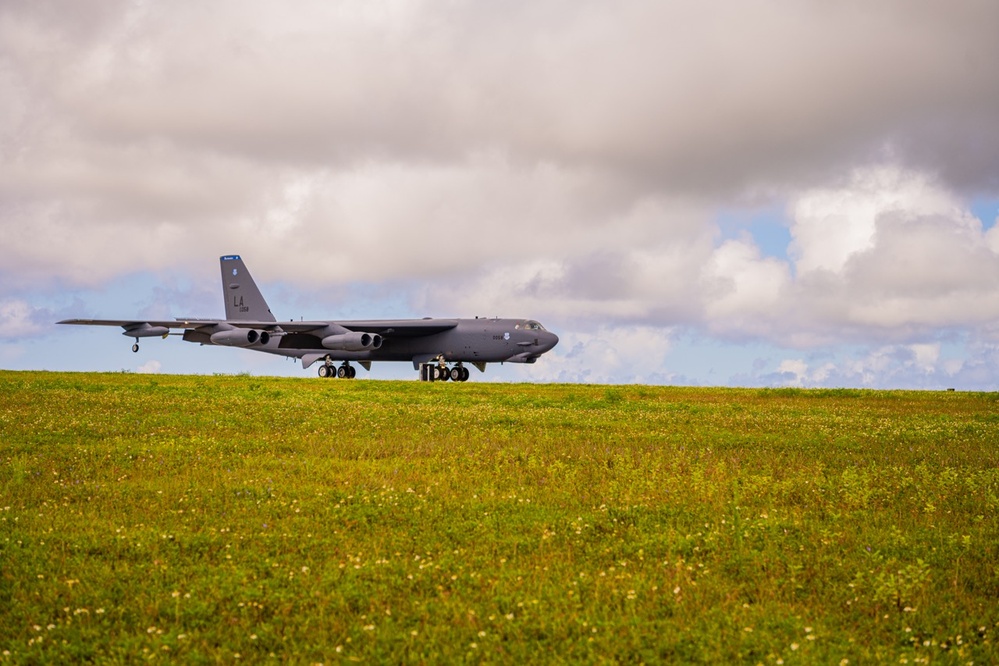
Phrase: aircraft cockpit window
[533,326]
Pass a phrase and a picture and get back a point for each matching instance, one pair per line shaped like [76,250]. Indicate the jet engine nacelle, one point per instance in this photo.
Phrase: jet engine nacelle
[240,338]
[353,341]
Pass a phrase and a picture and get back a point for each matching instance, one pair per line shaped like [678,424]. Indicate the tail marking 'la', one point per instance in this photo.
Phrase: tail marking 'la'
[243,301]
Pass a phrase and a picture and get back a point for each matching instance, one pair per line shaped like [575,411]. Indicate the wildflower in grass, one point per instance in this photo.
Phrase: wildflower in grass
[794,646]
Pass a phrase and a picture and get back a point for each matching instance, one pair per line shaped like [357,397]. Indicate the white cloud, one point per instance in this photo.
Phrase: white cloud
[18,319]
[150,367]
[925,261]
[608,355]
[831,225]
[748,292]
[921,366]
[793,370]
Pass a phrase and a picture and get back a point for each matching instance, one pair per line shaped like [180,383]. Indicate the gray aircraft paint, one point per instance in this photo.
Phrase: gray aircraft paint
[250,324]
[243,301]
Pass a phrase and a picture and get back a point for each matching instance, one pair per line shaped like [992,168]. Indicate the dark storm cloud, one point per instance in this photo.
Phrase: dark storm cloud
[678,96]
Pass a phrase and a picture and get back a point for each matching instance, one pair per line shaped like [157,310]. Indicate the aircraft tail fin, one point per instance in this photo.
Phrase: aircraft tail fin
[243,301]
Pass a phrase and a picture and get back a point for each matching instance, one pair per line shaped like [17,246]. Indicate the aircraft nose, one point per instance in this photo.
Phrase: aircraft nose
[550,340]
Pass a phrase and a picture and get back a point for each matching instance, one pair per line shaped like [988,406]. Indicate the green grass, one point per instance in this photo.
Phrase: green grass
[210,519]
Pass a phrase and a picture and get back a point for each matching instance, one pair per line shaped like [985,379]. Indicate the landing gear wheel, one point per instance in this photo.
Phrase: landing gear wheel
[351,372]
[325,371]
[342,372]
[456,374]
[465,374]
[443,373]
[135,347]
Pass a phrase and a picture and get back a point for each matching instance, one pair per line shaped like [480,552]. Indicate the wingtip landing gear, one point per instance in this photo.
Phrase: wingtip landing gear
[135,347]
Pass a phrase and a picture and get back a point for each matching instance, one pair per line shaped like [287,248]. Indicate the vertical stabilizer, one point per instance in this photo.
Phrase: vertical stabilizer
[243,300]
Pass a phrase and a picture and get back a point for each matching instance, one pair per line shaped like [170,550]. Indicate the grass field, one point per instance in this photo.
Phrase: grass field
[216,519]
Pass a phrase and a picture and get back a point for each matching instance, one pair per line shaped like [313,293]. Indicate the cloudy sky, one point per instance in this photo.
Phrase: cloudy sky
[758,193]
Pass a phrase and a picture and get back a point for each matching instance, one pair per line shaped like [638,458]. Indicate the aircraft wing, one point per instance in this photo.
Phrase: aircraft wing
[138,323]
[387,328]
[401,328]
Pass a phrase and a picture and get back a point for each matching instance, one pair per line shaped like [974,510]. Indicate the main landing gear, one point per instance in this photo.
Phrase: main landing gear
[439,372]
[346,371]
[458,373]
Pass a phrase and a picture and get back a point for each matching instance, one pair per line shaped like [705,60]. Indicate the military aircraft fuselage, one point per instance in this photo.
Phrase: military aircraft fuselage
[471,340]
[479,340]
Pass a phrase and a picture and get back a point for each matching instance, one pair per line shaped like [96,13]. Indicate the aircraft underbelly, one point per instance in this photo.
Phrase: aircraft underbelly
[454,346]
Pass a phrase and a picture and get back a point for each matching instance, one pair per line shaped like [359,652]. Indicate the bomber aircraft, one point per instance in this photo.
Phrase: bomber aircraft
[438,348]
